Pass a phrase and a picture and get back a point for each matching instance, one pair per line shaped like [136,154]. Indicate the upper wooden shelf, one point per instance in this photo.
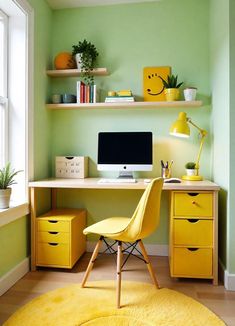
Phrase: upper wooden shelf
[76,72]
[130,105]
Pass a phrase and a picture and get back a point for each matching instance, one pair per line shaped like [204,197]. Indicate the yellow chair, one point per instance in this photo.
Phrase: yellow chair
[132,230]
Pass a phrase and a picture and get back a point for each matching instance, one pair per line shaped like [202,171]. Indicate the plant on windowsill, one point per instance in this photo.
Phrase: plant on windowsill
[191,168]
[7,176]
[171,87]
[85,54]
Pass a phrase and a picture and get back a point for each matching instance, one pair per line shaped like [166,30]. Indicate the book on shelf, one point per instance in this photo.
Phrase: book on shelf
[86,93]
[125,92]
[112,99]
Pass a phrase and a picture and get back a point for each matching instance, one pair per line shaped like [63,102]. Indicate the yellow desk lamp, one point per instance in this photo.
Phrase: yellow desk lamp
[180,128]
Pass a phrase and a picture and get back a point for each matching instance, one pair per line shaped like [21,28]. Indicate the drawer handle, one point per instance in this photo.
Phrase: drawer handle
[191,220]
[51,221]
[192,249]
[193,194]
[53,244]
[53,232]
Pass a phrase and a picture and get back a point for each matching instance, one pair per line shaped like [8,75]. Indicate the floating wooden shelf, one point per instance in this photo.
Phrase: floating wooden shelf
[130,105]
[76,72]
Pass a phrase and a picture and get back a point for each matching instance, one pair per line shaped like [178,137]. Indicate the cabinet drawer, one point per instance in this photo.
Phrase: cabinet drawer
[196,263]
[193,204]
[53,225]
[53,236]
[52,254]
[193,232]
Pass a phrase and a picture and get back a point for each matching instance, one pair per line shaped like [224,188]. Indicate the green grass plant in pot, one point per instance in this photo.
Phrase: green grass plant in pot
[190,168]
[85,54]
[171,87]
[7,175]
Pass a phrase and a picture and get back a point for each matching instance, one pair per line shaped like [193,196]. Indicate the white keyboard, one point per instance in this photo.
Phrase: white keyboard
[121,180]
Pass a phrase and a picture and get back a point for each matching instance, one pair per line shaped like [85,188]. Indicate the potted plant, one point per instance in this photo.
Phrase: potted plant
[6,180]
[191,168]
[171,86]
[85,54]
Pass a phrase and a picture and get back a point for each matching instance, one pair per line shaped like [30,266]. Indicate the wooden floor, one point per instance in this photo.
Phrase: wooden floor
[216,298]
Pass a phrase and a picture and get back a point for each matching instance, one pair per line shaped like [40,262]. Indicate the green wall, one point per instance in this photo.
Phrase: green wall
[223,102]
[231,248]
[14,244]
[128,38]
[41,118]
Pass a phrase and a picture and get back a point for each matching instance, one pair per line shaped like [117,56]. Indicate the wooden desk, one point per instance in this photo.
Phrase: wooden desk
[202,189]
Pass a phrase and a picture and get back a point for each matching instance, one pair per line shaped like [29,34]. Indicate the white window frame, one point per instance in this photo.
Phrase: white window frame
[4,95]
[20,209]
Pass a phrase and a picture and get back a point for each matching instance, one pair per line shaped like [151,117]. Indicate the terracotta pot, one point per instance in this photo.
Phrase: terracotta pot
[5,195]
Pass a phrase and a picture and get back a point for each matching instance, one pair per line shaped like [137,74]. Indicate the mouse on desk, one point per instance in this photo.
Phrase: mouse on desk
[172,180]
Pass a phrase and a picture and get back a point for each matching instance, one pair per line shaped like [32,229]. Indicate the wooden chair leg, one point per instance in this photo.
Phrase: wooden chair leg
[119,273]
[91,262]
[149,265]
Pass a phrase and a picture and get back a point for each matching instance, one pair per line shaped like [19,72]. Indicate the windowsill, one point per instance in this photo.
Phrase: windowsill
[13,213]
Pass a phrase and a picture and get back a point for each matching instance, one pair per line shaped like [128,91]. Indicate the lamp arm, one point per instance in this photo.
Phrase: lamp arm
[199,153]
[203,134]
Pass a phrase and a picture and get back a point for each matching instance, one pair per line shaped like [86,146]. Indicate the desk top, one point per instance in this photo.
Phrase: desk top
[92,183]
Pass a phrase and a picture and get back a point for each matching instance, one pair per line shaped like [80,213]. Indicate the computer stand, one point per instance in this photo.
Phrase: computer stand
[125,175]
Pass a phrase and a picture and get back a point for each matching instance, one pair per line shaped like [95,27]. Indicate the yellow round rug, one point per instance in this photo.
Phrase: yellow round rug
[95,305]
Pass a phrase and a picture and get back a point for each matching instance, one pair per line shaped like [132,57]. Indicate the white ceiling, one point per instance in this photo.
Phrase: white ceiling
[61,4]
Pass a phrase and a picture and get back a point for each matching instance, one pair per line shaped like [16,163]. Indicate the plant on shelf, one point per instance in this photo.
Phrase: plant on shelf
[171,86]
[190,168]
[85,55]
[7,176]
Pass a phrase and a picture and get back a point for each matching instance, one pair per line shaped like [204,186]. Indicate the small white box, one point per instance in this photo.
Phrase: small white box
[71,167]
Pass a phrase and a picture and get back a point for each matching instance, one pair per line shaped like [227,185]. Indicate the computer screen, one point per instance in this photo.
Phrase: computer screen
[125,151]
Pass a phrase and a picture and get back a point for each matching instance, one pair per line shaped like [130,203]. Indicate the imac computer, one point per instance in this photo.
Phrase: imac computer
[125,152]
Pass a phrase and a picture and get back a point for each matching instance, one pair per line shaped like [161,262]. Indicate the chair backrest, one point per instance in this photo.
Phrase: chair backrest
[147,214]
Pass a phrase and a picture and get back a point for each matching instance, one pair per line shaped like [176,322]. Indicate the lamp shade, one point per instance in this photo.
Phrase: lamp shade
[180,127]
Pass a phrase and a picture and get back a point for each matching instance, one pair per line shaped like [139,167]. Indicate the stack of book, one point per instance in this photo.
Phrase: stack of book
[121,96]
[86,93]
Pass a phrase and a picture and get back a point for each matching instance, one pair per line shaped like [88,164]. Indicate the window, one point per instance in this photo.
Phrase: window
[3,89]
[16,86]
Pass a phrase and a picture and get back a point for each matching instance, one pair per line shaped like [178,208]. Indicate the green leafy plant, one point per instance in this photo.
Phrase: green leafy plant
[190,165]
[7,176]
[171,81]
[89,55]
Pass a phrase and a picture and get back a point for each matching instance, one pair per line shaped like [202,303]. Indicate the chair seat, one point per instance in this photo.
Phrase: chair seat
[108,227]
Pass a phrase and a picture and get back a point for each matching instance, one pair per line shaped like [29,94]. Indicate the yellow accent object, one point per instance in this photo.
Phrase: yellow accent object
[196,262]
[193,232]
[196,204]
[123,229]
[192,242]
[64,60]
[124,92]
[94,306]
[59,238]
[180,128]
[153,88]
[143,222]
[172,94]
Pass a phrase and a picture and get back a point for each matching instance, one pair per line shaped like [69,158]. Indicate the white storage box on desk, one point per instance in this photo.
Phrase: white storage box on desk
[71,167]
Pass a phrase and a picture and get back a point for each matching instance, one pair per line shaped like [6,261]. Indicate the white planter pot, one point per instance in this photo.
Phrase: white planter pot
[78,60]
[5,195]
[191,171]
[190,94]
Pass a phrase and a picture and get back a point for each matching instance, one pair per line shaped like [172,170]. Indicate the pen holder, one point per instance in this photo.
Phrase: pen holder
[166,173]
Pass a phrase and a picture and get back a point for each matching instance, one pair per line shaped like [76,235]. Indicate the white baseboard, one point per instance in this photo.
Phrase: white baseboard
[10,278]
[229,281]
[152,249]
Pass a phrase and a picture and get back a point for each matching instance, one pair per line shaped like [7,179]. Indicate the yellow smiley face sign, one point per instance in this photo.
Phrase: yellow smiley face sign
[152,85]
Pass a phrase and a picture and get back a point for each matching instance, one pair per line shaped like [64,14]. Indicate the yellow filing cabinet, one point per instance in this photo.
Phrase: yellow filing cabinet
[59,237]
[192,235]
